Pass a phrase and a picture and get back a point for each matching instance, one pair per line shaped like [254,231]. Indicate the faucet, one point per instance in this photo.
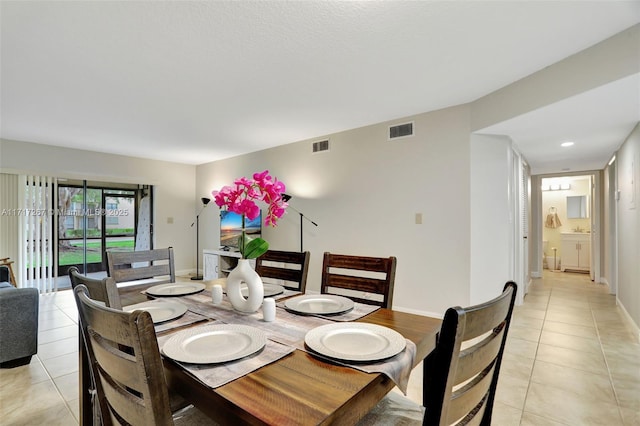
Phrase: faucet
[578,229]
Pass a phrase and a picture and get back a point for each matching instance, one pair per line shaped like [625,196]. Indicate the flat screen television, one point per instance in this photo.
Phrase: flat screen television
[231,228]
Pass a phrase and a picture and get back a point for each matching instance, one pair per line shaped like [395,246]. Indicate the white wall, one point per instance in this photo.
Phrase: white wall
[491,226]
[612,59]
[610,229]
[535,228]
[174,185]
[628,168]
[364,194]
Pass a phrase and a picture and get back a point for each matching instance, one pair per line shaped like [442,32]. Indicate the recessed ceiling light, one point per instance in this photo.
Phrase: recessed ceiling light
[566,144]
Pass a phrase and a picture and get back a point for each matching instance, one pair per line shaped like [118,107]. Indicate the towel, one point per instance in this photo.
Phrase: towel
[553,221]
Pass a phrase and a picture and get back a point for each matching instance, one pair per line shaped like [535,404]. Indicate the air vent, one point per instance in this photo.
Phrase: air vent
[401,131]
[321,146]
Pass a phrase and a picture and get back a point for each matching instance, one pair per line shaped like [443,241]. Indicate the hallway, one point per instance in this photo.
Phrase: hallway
[572,358]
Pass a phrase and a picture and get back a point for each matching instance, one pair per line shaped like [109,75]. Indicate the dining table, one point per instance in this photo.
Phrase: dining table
[298,388]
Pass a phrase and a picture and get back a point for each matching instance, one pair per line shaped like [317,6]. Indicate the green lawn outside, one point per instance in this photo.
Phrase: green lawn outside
[94,252]
[97,232]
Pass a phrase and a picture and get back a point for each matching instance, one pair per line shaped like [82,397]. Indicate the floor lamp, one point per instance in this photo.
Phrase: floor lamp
[205,201]
[287,197]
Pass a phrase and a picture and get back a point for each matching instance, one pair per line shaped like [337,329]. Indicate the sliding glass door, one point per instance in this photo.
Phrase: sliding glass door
[119,221]
[94,218]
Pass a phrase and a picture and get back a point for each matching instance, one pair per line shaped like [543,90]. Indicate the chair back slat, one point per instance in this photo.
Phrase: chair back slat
[290,267]
[369,285]
[280,274]
[465,399]
[143,264]
[124,370]
[374,275]
[461,383]
[360,263]
[484,317]
[474,418]
[123,406]
[476,358]
[121,344]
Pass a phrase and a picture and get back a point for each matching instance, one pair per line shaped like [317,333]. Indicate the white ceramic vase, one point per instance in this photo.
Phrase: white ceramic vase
[244,273]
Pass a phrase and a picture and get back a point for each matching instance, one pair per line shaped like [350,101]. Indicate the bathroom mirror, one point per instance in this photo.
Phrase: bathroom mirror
[577,207]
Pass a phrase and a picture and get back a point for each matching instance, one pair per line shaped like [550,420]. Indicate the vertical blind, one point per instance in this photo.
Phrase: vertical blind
[37,219]
[9,217]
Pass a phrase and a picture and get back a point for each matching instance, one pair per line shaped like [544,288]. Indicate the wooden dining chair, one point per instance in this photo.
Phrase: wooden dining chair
[461,375]
[156,264]
[291,267]
[359,278]
[123,349]
[103,290]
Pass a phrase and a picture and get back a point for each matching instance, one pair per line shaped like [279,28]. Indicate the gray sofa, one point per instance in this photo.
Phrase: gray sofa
[18,323]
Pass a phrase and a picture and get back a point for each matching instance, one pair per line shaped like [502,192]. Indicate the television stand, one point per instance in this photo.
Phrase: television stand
[218,263]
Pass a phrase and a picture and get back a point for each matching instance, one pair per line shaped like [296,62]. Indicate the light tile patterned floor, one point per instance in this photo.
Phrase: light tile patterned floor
[572,358]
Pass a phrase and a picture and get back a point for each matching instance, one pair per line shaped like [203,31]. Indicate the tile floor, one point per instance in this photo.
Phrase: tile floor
[572,358]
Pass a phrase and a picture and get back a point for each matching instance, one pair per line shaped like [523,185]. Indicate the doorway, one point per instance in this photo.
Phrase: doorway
[94,217]
[570,214]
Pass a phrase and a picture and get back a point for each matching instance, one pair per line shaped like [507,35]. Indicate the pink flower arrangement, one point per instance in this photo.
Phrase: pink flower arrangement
[242,198]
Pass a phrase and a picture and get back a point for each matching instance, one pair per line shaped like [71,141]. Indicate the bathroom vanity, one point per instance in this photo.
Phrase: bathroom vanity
[576,251]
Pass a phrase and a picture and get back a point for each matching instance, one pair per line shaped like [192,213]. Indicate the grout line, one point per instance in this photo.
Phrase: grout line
[51,379]
[53,382]
[535,358]
[606,363]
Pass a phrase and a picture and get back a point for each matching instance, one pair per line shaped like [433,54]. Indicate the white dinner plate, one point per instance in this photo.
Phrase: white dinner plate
[269,290]
[355,341]
[175,289]
[217,343]
[160,310]
[321,304]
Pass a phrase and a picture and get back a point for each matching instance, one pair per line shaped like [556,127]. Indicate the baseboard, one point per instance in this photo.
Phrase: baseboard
[634,326]
[185,273]
[604,281]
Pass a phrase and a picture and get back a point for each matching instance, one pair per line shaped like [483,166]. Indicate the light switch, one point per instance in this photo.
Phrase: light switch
[418,218]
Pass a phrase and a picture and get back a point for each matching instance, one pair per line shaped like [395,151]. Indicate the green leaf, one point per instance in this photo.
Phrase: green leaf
[252,247]
[255,248]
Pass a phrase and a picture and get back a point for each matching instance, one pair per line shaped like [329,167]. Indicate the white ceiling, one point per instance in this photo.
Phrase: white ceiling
[597,121]
[194,82]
